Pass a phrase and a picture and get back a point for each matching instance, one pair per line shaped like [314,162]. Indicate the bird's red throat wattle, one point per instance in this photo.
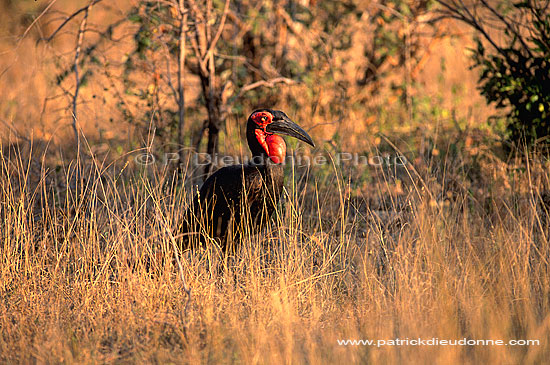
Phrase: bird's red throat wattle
[273,144]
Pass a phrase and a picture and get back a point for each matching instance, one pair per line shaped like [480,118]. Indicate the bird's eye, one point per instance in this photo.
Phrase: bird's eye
[264,119]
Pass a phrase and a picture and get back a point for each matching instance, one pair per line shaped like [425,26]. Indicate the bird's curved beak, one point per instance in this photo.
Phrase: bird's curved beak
[283,125]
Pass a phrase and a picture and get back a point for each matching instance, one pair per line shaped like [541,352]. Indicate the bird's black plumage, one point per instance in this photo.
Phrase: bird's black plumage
[241,198]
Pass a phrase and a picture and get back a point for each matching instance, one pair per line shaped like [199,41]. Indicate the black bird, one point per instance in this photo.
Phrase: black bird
[240,196]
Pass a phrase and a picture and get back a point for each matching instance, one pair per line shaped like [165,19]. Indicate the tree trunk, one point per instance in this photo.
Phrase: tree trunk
[215,119]
[181,80]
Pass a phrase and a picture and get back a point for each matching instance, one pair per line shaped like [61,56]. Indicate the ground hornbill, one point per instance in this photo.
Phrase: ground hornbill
[242,198]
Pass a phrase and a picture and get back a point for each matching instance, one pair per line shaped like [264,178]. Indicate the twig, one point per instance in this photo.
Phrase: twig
[168,77]
[35,20]
[454,12]
[69,18]
[80,38]
[23,37]
[509,26]
[219,31]
[183,14]
[267,83]
[14,130]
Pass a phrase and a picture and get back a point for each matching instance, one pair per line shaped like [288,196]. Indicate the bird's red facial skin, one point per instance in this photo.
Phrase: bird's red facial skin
[276,148]
[273,144]
[262,119]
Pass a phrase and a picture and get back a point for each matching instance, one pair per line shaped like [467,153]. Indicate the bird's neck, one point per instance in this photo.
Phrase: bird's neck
[260,158]
[265,165]
[259,154]
[262,161]
[273,175]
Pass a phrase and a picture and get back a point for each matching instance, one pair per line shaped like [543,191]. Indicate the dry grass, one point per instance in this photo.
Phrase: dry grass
[87,271]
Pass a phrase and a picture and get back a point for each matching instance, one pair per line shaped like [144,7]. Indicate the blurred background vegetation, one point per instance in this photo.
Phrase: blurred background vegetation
[346,70]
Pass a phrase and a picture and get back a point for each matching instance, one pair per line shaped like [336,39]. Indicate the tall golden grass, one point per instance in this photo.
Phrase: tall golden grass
[87,270]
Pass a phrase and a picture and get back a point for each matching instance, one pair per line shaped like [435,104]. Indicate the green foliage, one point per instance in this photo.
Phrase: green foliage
[517,76]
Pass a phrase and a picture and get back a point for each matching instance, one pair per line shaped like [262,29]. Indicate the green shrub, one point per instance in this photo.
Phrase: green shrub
[517,75]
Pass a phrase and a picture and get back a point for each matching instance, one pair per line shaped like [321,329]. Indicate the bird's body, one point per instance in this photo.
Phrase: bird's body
[237,196]
[240,199]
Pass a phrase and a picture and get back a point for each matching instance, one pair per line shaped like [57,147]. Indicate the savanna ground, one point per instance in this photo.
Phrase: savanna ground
[451,245]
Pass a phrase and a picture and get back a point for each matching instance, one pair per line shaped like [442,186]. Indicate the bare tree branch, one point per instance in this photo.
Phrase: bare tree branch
[168,78]
[509,26]
[12,128]
[219,31]
[183,14]
[264,83]
[456,11]
[80,39]
[35,20]
[69,18]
